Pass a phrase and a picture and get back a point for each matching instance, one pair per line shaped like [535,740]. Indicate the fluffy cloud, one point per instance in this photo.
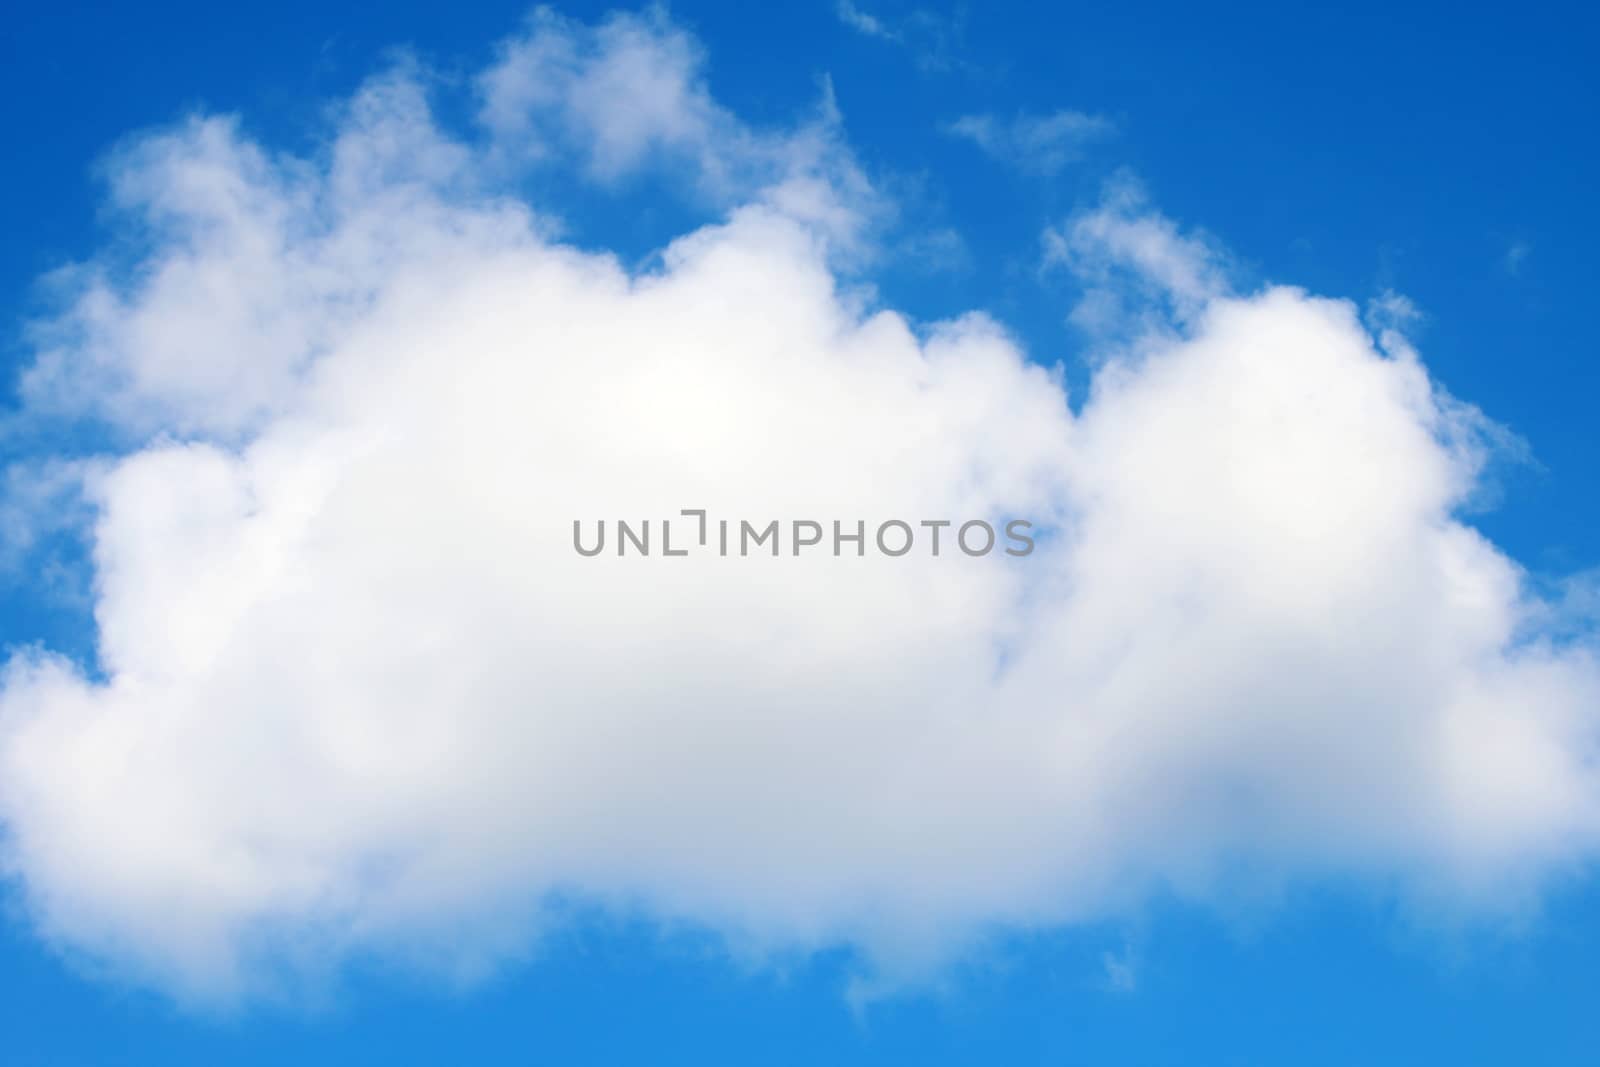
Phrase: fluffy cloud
[630,93]
[356,693]
[1139,273]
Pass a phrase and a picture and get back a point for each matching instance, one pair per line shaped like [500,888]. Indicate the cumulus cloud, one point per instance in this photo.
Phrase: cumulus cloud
[355,692]
[1035,144]
[631,92]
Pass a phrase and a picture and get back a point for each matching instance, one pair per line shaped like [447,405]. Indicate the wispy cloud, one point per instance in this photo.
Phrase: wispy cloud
[1138,268]
[933,39]
[1042,145]
[1120,969]
[862,22]
[1517,257]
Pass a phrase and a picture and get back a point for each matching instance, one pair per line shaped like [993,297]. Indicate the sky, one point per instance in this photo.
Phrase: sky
[319,742]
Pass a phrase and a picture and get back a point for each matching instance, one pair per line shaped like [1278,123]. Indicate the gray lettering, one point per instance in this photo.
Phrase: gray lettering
[809,541]
[577,542]
[746,530]
[961,537]
[641,542]
[1022,539]
[903,548]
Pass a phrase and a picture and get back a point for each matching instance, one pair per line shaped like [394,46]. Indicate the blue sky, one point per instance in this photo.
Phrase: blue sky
[1437,152]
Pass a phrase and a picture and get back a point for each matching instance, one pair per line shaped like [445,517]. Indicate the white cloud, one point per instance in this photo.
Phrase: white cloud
[1141,274]
[256,265]
[1517,256]
[632,91]
[357,694]
[1034,144]
[932,39]
[862,22]
[36,499]
[1121,971]
[631,87]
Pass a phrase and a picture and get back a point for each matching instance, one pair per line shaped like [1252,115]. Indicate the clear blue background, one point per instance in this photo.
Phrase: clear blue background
[1346,148]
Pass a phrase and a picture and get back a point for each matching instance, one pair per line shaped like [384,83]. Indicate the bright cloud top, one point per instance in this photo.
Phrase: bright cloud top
[356,692]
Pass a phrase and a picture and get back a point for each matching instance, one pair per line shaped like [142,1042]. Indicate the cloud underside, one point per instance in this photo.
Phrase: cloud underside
[356,693]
